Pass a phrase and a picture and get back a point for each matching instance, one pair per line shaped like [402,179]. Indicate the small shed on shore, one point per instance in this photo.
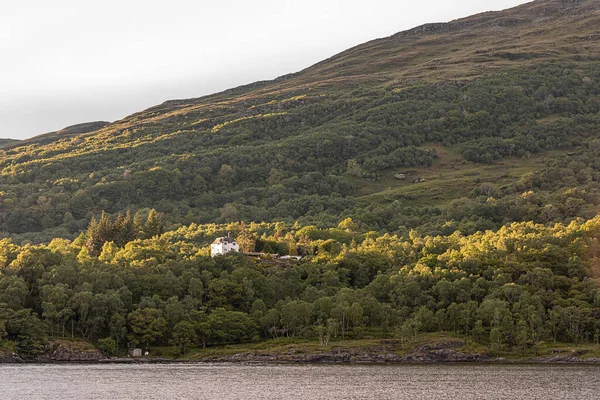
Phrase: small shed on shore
[136,352]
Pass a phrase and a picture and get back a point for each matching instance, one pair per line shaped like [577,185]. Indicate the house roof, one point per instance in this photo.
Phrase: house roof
[224,240]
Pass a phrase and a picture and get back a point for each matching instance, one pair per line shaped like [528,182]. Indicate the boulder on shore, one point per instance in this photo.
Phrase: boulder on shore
[10,358]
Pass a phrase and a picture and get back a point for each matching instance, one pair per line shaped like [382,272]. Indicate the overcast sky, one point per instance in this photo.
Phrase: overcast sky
[64,62]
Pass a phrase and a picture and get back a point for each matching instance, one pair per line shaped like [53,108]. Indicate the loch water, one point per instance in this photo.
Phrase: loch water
[298,381]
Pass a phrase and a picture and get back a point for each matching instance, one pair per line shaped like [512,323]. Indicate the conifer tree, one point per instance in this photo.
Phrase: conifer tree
[124,230]
[106,231]
[154,226]
[138,225]
[92,240]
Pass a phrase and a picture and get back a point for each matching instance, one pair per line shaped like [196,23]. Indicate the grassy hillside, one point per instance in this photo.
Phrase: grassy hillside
[498,113]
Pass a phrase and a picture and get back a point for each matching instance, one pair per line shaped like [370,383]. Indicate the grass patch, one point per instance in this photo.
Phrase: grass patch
[450,177]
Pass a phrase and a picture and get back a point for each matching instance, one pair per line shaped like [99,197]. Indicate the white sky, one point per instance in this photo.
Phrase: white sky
[64,62]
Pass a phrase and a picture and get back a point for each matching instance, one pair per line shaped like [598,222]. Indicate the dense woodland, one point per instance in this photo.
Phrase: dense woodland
[509,289]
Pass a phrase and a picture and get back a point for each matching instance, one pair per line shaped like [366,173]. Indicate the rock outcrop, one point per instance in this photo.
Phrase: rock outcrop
[63,350]
[446,351]
[573,356]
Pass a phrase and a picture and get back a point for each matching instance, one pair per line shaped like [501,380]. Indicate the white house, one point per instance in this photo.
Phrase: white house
[223,245]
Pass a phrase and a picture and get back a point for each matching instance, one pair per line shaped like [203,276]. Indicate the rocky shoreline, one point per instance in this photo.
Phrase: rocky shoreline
[440,352]
[10,358]
[448,351]
[393,359]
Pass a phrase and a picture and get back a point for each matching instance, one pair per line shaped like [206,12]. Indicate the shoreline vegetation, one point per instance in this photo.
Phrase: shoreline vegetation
[430,348]
[513,291]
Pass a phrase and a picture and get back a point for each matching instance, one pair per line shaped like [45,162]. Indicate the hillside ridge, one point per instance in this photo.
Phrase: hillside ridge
[535,12]
[538,8]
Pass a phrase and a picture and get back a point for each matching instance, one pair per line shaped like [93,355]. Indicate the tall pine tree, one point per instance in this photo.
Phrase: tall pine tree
[154,226]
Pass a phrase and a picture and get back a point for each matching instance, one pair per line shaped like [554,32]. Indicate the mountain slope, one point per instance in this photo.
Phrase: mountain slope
[69,131]
[8,142]
[487,107]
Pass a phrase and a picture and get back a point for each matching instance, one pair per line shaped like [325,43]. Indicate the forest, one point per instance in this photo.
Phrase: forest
[509,289]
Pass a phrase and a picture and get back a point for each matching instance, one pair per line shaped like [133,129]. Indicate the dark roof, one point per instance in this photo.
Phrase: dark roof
[224,240]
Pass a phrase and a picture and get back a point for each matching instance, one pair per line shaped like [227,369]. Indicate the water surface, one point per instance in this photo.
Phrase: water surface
[298,381]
